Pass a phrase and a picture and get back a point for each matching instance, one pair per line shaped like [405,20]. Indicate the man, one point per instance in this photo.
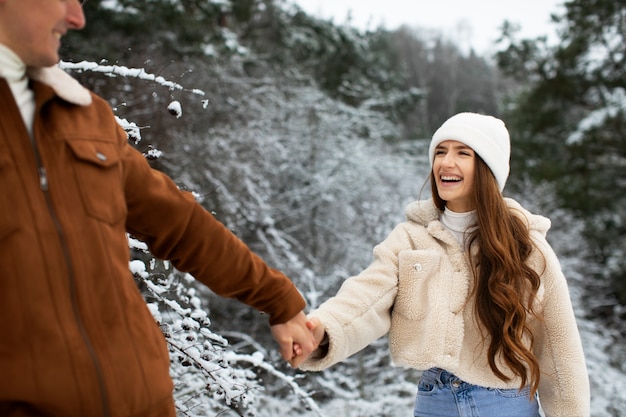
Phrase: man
[76,338]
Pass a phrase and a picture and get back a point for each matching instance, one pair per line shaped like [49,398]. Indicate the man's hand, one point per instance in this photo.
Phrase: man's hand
[295,340]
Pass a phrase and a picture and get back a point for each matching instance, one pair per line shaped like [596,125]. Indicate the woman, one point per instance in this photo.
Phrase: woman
[469,291]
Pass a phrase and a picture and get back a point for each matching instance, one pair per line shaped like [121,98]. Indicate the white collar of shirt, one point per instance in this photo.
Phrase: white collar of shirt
[459,223]
[11,66]
[14,71]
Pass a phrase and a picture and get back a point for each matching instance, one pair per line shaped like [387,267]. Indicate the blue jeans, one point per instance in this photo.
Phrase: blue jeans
[442,394]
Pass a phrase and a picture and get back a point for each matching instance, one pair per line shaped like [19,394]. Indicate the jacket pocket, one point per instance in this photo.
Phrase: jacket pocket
[98,173]
[418,271]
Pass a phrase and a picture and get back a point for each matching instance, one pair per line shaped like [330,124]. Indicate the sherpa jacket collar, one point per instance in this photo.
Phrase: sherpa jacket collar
[423,212]
[61,82]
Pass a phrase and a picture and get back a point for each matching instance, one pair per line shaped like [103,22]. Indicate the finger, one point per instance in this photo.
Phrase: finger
[313,323]
[296,361]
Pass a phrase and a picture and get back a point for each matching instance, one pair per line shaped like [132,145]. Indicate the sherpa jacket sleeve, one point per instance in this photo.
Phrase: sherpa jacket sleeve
[360,312]
[564,384]
[175,227]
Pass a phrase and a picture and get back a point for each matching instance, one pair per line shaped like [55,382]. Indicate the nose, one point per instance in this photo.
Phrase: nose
[448,159]
[75,15]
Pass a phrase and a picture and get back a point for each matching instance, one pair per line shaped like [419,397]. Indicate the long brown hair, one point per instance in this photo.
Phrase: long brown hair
[505,286]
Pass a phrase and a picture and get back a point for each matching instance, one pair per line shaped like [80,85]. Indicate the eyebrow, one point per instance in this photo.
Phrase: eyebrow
[457,147]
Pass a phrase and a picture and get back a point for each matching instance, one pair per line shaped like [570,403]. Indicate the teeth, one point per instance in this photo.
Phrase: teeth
[450,178]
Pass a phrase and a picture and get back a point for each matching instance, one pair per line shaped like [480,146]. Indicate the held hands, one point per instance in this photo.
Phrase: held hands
[298,338]
[295,339]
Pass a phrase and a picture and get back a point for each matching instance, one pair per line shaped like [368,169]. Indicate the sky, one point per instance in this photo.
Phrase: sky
[469,23]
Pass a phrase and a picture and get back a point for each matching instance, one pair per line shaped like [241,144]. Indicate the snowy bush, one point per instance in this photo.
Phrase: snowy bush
[210,377]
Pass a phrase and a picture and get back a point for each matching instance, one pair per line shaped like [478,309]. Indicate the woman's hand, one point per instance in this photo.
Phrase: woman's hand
[317,330]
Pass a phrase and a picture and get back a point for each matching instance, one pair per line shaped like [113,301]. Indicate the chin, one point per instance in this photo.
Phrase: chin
[43,61]
[48,57]
[50,62]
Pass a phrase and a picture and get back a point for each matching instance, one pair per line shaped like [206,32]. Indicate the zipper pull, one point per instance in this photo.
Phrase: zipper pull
[43,179]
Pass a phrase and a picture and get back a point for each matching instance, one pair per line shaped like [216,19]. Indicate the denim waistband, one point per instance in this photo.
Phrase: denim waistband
[442,393]
[440,376]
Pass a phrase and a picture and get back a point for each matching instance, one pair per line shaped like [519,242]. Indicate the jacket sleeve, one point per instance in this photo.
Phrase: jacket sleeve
[564,384]
[360,312]
[177,228]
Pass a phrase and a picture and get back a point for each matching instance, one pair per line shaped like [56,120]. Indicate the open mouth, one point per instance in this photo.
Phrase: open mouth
[450,179]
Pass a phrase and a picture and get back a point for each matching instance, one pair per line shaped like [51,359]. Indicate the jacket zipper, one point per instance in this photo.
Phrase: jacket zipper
[43,184]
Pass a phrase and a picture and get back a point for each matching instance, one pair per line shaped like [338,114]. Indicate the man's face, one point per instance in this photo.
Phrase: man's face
[33,28]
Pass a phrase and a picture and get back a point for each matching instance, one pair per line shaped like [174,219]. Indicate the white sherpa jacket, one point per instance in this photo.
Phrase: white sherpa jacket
[418,289]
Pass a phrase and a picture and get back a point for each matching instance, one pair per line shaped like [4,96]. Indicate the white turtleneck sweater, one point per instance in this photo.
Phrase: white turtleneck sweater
[14,71]
[459,223]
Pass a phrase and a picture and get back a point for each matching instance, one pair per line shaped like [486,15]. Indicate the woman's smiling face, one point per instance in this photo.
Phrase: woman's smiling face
[454,166]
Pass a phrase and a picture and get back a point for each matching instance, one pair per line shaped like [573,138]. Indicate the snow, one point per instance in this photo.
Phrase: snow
[615,103]
[368,170]
[357,188]
[175,109]
[138,268]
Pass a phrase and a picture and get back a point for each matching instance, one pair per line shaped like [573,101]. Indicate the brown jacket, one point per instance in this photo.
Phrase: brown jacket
[76,338]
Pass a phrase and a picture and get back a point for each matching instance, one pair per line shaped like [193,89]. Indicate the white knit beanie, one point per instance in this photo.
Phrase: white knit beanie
[486,135]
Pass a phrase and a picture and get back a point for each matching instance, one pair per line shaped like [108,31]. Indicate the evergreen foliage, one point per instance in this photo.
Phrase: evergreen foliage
[570,121]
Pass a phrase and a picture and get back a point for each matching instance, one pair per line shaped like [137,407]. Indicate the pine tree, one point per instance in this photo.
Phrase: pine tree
[570,122]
